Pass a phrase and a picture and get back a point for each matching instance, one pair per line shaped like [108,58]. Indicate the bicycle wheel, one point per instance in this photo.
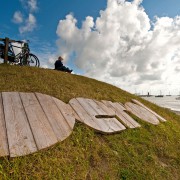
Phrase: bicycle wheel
[32,60]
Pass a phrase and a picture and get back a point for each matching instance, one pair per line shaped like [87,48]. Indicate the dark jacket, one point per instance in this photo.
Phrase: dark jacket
[58,64]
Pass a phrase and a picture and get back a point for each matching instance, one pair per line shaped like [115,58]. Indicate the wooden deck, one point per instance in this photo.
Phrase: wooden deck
[33,121]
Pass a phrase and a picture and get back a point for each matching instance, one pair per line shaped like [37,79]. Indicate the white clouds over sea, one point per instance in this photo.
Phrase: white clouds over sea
[123,47]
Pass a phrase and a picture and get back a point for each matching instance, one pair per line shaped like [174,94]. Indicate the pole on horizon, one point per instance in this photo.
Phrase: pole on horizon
[6,50]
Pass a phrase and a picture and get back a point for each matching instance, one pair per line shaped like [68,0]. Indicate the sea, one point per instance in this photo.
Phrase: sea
[170,102]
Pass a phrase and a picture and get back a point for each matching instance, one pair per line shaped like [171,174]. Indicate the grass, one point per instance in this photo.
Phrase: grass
[149,152]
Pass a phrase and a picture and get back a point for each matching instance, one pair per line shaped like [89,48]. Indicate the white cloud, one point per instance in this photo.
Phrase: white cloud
[123,47]
[18,17]
[31,5]
[29,25]
[30,22]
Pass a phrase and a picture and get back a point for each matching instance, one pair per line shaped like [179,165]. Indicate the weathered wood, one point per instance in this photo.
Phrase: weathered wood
[102,123]
[41,128]
[119,106]
[123,116]
[103,126]
[30,122]
[66,111]
[83,115]
[58,123]
[105,108]
[142,113]
[119,113]
[142,105]
[120,110]
[110,120]
[88,119]
[20,138]
[4,151]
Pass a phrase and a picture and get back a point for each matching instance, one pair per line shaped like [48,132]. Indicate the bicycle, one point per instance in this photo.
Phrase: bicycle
[24,57]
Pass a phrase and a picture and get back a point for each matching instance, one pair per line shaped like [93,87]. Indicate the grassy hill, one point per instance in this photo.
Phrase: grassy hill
[149,152]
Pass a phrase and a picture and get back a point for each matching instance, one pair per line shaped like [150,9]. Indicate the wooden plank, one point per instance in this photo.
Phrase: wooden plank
[111,120]
[41,128]
[59,124]
[142,105]
[66,111]
[20,138]
[4,150]
[142,113]
[131,123]
[108,105]
[119,113]
[84,116]
[124,117]
[101,122]
[105,108]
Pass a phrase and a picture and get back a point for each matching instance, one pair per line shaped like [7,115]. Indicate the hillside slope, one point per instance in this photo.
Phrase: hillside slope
[149,152]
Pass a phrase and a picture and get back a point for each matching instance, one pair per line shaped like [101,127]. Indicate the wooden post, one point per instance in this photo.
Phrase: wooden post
[6,50]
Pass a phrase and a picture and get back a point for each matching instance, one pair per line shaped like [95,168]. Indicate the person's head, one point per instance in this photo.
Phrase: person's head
[60,58]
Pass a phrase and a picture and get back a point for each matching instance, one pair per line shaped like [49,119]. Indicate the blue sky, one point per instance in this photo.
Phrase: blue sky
[44,17]
[49,14]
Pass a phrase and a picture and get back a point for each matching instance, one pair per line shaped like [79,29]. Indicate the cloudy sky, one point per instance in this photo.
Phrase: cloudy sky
[134,45]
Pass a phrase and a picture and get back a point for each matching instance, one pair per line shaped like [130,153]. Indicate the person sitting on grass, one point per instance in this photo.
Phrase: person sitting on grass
[60,67]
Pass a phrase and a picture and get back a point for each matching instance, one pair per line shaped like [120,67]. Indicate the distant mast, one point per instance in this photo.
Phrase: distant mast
[160,95]
[168,94]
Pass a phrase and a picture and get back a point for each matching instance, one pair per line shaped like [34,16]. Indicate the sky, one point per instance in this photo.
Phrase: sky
[134,45]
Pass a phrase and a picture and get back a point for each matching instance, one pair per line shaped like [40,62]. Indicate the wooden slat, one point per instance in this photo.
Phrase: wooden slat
[112,122]
[129,120]
[58,123]
[124,117]
[4,151]
[119,113]
[142,105]
[84,117]
[105,108]
[119,106]
[66,111]
[101,122]
[108,125]
[142,113]
[41,128]
[20,138]
[110,110]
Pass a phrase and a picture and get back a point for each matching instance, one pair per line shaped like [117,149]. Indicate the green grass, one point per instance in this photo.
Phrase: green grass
[149,152]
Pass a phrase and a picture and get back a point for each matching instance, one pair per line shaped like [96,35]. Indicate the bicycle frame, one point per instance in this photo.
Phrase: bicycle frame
[22,54]
[24,57]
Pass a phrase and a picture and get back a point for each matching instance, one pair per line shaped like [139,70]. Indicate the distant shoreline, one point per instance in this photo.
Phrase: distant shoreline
[177,112]
[168,102]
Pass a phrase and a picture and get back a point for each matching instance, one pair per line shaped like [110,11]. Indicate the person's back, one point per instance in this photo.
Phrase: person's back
[59,65]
